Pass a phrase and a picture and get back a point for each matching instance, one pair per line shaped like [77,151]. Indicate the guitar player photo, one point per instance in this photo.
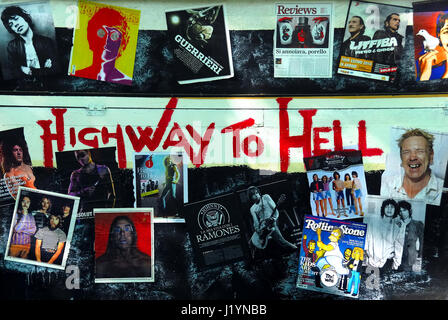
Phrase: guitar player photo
[272,222]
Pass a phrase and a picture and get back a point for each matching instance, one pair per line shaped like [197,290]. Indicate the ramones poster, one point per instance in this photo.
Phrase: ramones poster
[373,41]
[200,44]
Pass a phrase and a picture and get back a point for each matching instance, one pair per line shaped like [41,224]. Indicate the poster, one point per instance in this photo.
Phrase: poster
[42,228]
[28,23]
[337,184]
[200,44]
[124,245]
[216,231]
[430,41]
[374,40]
[332,256]
[303,40]
[395,233]
[104,43]
[161,182]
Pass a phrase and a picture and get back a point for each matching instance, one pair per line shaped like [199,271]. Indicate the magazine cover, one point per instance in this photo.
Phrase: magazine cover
[90,174]
[16,167]
[124,245]
[42,228]
[303,40]
[27,25]
[373,41]
[430,39]
[272,221]
[332,256]
[200,43]
[395,234]
[104,43]
[216,231]
[161,182]
[415,165]
[337,184]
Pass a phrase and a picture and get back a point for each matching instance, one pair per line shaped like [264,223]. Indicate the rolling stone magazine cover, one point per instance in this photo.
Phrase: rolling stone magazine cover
[332,256]
[303,40]
[373,41]
[201,44]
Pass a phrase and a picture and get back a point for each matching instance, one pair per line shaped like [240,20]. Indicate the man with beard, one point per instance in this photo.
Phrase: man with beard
[50,241]
[122,258]
[356,27]
[391,26]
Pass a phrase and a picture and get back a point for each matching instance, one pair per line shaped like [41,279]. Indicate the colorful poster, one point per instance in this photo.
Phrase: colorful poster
[28,47]
[303,40]
[42,228]
[395,233]
[201,44]
[161,182]
[332,256]
[104,43]
[337,184]
[374,40]
[430,39]
[124,245]
[216,231]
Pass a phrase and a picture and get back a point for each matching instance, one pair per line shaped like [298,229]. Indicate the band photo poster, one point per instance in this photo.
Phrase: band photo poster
[28,23]
[200,43]
[104,43]
[374,39]
[337,184]
[161,182]
[124,245]
[332,256]
[430,39]
[303,40]
[42,228]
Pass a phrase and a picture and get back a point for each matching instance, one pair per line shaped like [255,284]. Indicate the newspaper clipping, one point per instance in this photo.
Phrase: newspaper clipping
[303,40]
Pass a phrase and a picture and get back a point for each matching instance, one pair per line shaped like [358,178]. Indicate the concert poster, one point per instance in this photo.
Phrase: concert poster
[395,233]
[42,228]
[273,221]
[35,23]
[104,43]
[124,245]
[161,182]
[200,44]
[337,184]
[16,167]
[332,256]
[216,231]
[374,40]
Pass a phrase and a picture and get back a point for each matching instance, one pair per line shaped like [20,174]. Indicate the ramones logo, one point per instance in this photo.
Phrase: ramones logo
[212,215]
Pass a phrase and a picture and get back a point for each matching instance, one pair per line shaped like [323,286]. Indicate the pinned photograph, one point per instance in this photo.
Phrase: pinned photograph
[124,245]
[42,228]
[104,43]
[27,41]
[161,182]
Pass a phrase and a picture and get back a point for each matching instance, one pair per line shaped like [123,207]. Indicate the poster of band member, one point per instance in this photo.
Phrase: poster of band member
[42,228]
[303,40]
[430,39]
[374,40]
[91,175]
[27,41]
[200,44]
[337,184]
[332,256]
[124,245]
[161,182]
[16,169]
[416,165]
[216,231]
[273,224]
[104,43]
[395,233]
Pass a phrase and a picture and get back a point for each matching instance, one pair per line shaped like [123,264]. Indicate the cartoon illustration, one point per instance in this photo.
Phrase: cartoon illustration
[355,264]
